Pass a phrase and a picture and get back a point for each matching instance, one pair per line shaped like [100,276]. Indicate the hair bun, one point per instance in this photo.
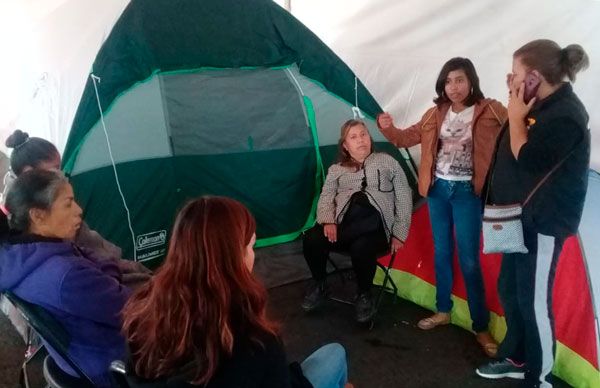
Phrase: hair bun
[574,59]
[18,138]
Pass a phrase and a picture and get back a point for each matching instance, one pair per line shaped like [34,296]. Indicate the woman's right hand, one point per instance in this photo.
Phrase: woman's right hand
[385,121]
[330,231]
[517,108]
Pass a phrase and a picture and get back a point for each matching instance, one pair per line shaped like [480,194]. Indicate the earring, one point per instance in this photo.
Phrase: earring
[471,90]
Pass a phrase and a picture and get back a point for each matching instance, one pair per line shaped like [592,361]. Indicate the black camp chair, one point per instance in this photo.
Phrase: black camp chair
[122,376]
[387,278]
[52,332]
[118,372]
[391,287]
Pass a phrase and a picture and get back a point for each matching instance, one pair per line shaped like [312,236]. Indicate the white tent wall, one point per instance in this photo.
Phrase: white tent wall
[47,49]
[395,47]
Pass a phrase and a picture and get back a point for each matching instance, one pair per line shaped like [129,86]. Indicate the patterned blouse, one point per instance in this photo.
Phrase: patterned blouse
[385,185]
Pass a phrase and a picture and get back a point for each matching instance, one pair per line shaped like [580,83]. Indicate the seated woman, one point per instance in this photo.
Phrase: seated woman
[37,153]
[201,320]
[365,208]
[41,265]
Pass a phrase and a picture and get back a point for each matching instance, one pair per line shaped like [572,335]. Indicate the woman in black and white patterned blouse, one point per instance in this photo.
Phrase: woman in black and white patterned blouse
[365,209]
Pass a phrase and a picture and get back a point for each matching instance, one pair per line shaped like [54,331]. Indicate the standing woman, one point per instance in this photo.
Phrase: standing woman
[457,138]
[548,132]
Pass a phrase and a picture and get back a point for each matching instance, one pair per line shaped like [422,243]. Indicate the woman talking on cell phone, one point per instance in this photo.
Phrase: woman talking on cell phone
[546,146]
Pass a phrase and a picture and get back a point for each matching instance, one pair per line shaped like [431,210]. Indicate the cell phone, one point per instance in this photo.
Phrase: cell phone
[532,84]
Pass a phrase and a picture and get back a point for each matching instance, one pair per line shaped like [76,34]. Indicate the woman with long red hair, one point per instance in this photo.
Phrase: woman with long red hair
[202,319]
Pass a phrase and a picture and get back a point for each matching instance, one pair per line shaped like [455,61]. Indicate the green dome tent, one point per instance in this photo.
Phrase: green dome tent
[221,97]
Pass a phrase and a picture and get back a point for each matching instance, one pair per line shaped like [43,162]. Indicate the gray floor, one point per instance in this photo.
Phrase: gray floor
[284,264]
[395,353]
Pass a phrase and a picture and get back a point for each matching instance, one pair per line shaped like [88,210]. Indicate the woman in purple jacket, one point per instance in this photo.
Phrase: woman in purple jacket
[40,264]
[30,153]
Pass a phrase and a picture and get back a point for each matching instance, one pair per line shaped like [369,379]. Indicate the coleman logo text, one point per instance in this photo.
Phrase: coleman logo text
[151,239]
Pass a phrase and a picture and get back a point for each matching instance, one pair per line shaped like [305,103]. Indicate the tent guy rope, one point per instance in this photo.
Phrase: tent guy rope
[96,80]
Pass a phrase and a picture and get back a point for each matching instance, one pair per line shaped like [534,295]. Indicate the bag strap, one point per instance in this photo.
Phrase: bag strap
[545,178]
[540,183]
[489,182]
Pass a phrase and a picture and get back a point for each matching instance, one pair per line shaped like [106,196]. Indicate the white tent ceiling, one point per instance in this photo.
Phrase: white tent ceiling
[48,47]
[395,47]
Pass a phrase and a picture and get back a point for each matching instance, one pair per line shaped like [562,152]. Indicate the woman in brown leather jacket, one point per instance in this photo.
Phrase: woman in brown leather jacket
[457,138]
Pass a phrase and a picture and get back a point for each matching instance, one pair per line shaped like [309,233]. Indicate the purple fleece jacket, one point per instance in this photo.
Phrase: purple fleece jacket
[84,294]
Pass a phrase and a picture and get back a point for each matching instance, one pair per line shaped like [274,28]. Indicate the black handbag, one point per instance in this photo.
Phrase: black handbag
[360,218]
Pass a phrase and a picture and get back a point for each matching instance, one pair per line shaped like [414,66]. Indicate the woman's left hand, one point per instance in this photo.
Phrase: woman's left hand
[396,245]
[517,108]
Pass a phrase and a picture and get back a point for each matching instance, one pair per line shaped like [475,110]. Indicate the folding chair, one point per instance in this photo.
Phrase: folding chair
[382,288]
[118,372]
[342,273]
[387,278]
[52,332]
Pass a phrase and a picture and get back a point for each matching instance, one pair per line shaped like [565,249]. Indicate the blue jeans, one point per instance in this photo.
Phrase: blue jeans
[326,367]
[453,205]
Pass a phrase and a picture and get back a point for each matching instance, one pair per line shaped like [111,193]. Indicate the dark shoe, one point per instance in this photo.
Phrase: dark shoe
[502,368]
[364,308]
[315,296]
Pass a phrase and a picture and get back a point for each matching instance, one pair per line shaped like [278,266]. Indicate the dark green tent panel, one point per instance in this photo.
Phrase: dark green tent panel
[209,97]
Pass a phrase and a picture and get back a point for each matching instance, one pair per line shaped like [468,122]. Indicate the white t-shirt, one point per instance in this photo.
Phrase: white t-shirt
[455,154]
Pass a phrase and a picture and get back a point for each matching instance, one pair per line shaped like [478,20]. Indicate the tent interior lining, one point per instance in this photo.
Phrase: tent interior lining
[154,97]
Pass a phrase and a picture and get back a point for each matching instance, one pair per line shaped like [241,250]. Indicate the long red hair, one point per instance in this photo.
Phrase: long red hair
[193,308]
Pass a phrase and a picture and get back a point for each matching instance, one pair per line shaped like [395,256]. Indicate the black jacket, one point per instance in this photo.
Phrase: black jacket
[558,125]
[249,366]
[3,225]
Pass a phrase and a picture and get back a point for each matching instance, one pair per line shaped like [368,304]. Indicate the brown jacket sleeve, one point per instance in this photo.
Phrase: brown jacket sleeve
[411,136]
